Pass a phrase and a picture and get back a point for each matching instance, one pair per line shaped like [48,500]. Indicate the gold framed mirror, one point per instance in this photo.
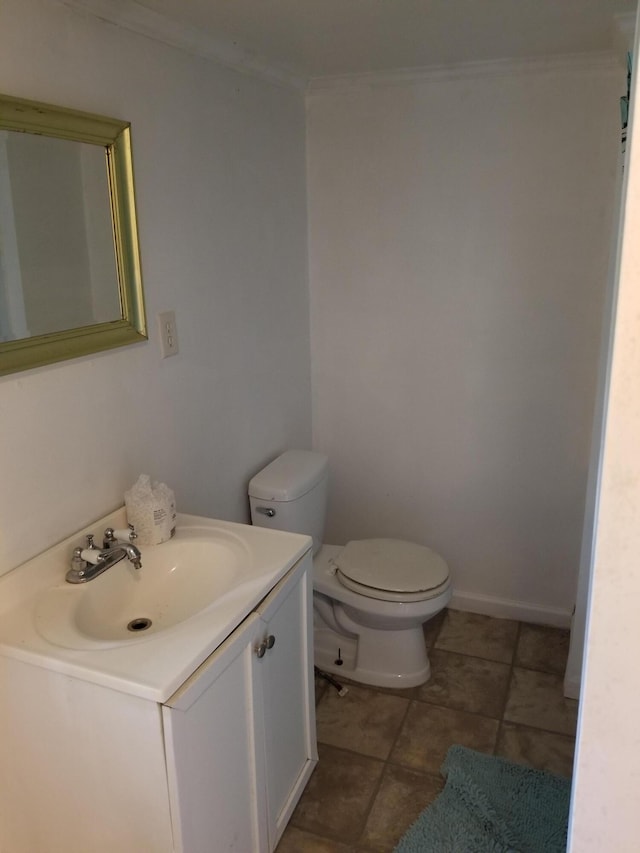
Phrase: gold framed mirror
[70,273]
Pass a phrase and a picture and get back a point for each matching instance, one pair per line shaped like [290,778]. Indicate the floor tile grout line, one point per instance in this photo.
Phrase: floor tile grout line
[370,805]
[431,774]
[539,669]
[514,653]
[507,694]
[353,752]
[538,729]
[455,653]
[471,655]
[495,719]
[366,755]
[400,728]
[359,841]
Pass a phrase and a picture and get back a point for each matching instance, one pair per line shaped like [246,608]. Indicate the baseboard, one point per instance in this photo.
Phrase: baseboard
[504,608]
[571,688]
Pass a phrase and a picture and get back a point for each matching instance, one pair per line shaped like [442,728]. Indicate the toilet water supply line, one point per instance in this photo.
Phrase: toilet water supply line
[342,691]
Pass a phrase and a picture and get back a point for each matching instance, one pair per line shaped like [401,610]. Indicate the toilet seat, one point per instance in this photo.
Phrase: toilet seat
[392,570]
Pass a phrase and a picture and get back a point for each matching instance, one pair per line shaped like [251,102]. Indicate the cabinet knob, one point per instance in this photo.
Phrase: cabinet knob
[267,643]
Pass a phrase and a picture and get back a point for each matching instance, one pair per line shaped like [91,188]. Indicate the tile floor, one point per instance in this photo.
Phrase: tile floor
[496,687]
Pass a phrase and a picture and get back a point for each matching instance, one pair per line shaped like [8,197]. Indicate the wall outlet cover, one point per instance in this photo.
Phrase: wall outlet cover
[168,333]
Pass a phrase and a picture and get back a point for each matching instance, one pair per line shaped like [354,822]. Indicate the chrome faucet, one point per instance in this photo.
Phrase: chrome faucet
[87,563]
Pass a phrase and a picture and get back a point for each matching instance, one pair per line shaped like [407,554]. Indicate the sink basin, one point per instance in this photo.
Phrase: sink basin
[179,579]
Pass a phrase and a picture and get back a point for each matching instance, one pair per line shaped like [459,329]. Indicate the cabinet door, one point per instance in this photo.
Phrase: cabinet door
[286,681]
[210,743]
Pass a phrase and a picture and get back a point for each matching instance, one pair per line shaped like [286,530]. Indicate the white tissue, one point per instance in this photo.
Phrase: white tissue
[151,508]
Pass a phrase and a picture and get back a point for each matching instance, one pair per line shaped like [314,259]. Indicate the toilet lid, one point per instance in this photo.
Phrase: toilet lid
[392,565]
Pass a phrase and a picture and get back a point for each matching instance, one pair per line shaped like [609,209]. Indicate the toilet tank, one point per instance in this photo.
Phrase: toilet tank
[291,494]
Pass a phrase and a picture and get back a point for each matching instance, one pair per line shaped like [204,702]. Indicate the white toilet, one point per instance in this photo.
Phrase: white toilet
[371,596]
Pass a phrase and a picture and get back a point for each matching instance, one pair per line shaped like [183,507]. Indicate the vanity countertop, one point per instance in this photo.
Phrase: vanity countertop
[150,667]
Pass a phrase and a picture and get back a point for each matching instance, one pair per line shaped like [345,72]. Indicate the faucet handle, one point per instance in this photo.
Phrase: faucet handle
[131,532]
[126,534]
[91,556]
[113,536]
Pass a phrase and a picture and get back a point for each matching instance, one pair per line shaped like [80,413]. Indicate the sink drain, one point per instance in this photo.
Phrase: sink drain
[139,625]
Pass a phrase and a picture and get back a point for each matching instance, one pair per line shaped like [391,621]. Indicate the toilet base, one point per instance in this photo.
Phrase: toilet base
[401,662]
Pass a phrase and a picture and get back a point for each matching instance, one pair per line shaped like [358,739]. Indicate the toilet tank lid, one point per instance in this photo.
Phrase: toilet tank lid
[290,476]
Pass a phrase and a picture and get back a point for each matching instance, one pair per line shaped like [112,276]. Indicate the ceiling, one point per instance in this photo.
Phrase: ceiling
[295,41]
[318,38]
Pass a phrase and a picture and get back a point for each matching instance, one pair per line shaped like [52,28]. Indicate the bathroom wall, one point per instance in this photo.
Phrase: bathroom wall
[460,227]
[604,813]
[220,174]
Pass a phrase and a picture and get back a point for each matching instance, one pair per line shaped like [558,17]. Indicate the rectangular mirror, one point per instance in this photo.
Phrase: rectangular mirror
[70,276]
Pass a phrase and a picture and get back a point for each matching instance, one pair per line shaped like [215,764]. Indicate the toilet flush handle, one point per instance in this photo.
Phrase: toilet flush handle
[266,510]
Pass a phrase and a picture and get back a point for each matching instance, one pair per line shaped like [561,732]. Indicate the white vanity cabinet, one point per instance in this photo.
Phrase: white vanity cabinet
[240,733]
[217,767]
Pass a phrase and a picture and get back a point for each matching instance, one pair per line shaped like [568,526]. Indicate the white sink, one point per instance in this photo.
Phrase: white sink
[194,589]
[177,580]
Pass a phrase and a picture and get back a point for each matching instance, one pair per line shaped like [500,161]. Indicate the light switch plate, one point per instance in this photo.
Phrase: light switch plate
[168,333]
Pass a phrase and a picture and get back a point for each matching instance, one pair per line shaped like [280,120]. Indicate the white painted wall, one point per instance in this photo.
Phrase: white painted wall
[459,237]
[607,771]
[220,175]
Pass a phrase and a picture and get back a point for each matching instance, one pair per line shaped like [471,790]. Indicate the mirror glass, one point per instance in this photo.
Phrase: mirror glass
[70,279]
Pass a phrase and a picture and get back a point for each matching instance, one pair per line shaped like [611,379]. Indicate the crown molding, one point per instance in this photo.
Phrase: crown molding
[572,63]
[134,16]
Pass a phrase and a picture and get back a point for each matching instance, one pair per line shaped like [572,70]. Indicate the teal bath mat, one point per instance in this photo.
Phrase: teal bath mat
[491,805]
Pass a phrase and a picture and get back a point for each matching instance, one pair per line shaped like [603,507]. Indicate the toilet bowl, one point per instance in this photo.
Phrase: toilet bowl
[375,635]
[371,597]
